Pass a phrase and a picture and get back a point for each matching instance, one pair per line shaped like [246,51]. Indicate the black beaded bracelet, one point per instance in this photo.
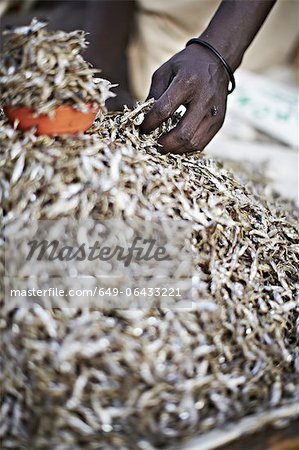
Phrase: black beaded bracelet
[219,56]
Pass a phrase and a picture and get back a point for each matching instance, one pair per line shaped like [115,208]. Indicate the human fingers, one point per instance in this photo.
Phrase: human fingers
[200,139]
[182,136]
[160,81]
[175,95]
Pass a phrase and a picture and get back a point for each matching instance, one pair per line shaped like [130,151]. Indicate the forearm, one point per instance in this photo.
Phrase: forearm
[234,26]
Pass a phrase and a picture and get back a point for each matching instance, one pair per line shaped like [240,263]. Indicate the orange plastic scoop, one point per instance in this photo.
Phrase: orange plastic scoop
[66,120]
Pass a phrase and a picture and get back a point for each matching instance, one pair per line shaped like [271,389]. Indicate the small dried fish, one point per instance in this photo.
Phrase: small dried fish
[41,69]
[142,379]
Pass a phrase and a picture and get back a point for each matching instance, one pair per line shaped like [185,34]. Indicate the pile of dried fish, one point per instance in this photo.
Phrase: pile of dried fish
[144,379]
[41,69]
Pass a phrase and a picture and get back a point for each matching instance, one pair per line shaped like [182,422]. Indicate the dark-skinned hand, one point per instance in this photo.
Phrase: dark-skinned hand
[196,79]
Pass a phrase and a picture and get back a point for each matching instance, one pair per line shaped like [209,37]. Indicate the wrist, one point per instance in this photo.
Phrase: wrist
[215,52]
[231,52]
